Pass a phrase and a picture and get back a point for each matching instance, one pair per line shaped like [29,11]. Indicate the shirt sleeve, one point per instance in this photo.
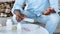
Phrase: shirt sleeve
[18,5]
[54,4]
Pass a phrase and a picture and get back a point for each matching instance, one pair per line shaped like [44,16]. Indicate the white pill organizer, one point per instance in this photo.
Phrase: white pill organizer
[28,20]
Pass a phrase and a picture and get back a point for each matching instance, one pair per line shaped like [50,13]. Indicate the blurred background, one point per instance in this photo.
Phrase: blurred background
[5,13]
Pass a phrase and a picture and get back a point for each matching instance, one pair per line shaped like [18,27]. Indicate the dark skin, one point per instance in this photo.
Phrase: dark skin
[48,11]
[20,16]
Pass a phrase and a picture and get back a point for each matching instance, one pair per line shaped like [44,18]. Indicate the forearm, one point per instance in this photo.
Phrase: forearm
[18,5]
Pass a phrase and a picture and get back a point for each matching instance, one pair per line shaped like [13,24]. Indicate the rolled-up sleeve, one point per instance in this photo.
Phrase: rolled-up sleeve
[18,5]
[54,4]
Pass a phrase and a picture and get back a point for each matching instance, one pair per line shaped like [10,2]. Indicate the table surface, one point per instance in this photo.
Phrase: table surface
[40,30]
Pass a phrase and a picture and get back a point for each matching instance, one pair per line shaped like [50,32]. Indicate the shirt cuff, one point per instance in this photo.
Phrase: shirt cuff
[57,11]
[16,8]
[39,14]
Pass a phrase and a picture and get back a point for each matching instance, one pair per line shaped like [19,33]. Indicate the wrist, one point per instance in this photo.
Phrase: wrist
[17,12]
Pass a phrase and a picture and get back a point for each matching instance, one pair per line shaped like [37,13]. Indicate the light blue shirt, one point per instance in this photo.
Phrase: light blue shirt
[35,6]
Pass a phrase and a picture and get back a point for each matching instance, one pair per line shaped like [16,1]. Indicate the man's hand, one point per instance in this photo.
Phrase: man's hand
[48,11]
[19,16]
